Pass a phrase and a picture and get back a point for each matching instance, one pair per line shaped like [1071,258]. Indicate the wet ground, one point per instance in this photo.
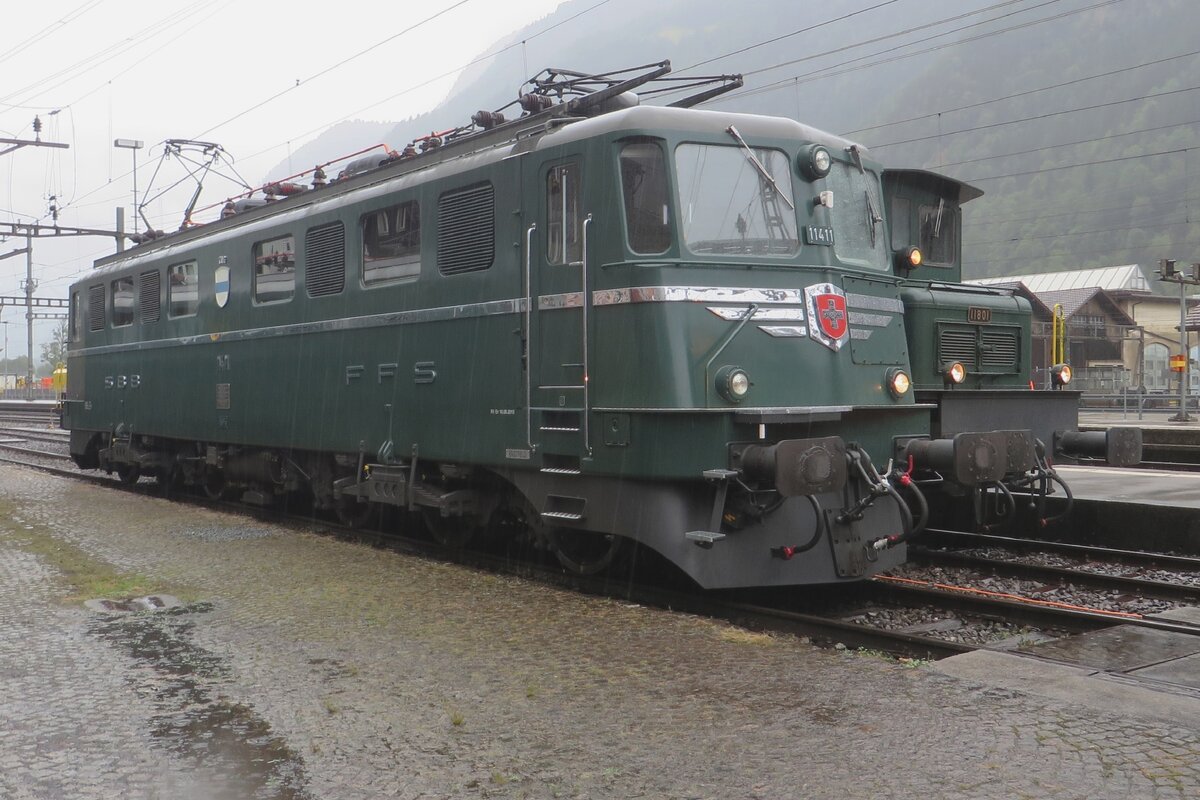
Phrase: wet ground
[297,666]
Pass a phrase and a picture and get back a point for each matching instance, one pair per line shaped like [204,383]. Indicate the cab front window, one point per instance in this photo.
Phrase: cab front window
[857,216]
[729,206]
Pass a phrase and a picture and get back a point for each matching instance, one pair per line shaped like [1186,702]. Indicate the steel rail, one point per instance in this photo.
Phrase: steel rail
[1139,557]
[1145,587]
[1030,612]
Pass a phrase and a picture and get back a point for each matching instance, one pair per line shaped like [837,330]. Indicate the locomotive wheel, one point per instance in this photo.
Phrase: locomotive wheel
[215,484]
[584,552]
[452,532]
[128,474]
[350,512]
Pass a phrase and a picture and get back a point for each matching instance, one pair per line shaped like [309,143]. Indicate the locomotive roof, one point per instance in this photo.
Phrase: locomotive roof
[540,133]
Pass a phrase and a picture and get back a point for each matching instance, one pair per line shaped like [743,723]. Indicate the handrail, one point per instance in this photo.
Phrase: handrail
[529,335]
[586,303]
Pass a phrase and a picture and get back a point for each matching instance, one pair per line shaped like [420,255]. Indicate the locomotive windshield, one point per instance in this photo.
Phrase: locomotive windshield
[857,216]
[729,206]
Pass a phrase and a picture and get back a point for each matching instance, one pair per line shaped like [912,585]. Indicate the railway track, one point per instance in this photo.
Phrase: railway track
[764,611]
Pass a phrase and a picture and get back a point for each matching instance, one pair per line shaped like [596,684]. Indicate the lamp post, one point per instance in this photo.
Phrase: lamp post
[134,145]
[1167,272]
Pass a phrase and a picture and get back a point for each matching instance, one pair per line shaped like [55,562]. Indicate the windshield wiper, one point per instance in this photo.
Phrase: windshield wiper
[872,214]
[937,223]
[732,131]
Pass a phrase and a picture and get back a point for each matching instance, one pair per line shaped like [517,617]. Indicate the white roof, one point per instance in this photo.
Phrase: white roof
[1127,278]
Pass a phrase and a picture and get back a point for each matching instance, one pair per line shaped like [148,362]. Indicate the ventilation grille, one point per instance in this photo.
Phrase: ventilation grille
[96,308]
[148,296]
[1000,350]
[957,345]
[466,230]
[325,260]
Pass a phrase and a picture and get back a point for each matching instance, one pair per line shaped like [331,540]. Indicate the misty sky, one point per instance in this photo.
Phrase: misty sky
[258,77]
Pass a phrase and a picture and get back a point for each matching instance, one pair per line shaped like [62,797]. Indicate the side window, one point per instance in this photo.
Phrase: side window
[391,240]
[123,299]
[644,190]
[96,308]
[149,299]
[76,332]
[562,214]
[939,233]
[325,260]
[275,269]
[466,229]
[182,293]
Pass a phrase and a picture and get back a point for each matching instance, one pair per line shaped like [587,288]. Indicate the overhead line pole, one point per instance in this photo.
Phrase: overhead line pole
[30,231]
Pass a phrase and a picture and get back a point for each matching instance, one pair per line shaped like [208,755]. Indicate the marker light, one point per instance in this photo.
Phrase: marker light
[814,162]
[1060,375]
[898,382]
[733,383]
[955,372]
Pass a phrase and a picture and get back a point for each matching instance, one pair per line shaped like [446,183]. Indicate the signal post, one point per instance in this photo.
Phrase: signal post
[1179,362]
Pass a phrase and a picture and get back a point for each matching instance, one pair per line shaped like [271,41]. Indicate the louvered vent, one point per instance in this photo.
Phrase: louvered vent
[325,260]
[96,308]
[148,296]
[957,345]
[1000,350]
[466,230]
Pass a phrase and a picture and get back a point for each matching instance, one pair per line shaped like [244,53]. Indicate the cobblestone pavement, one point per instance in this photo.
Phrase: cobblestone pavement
[301,667]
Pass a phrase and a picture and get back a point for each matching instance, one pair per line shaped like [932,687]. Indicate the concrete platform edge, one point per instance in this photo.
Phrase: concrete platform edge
[1076,685]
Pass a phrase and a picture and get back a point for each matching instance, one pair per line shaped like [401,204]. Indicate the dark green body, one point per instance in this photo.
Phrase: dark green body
[579,380]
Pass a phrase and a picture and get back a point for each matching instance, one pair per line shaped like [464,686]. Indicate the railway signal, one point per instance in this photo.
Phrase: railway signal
[1179,363]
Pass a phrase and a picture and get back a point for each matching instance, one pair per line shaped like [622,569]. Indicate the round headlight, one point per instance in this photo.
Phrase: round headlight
[898,382]
[1061,374]
[909,258]
[956,372]
[733,383]
[815,162]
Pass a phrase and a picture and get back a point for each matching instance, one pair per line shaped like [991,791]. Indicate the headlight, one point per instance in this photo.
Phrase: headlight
[733,383]
[814,162]
[898,382]
[1060,374]
[955,372]
[909,258]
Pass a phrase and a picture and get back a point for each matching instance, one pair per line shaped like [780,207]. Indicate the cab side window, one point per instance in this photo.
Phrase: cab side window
[563,244]
[644,190]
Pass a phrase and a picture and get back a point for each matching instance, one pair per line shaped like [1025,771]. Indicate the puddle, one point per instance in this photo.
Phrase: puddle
[191,720]
[153,602]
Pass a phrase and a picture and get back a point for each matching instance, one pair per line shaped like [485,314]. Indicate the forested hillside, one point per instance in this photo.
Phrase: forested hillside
[1009,95]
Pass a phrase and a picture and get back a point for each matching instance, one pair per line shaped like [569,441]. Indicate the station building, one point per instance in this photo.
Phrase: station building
[1119,334]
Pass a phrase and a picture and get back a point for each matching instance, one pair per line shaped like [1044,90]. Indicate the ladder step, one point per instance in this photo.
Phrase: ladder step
[559,430]
[562,470]
[567,515]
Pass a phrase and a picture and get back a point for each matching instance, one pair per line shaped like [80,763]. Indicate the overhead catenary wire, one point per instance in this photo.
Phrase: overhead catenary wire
[1047,115]
[854,64]
[302,81]
[1024,93]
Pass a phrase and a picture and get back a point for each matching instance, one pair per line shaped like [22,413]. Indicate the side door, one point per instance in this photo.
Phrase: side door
[558,311]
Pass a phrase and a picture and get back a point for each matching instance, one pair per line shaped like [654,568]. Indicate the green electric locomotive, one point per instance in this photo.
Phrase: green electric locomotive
[598,322]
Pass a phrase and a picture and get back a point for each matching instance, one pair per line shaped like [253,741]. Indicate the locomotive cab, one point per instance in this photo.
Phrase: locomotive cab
[971,345]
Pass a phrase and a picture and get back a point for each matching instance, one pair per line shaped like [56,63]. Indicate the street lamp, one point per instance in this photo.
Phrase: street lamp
[134,145]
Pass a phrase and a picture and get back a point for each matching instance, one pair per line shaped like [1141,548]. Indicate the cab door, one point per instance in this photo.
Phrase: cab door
[559,309]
